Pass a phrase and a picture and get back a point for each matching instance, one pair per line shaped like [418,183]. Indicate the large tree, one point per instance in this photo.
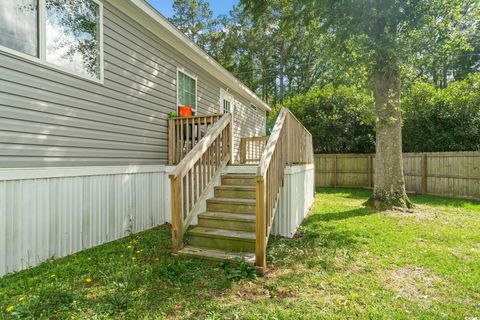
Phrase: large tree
[195,19]
[386,33]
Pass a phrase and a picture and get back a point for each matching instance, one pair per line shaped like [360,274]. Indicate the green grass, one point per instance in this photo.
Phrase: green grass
[346,262]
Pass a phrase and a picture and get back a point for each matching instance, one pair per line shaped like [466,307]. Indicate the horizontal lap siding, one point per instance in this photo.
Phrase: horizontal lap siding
[248,122]
[49,118]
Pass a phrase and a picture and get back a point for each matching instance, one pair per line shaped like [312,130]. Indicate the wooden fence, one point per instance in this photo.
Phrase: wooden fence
[453,174]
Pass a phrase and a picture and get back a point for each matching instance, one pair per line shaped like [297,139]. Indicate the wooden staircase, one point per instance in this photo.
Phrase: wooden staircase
[226,230]
[238,219]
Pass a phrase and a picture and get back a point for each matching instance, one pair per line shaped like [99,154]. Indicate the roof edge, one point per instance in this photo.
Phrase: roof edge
[195,53]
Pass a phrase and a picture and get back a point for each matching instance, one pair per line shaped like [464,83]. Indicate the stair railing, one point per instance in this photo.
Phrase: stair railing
[289,143]
[194,176]
[251,149]
[185,132]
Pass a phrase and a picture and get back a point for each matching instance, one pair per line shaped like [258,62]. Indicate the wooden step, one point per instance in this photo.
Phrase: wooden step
[239,179]
[233,191]
[216,255]
[227,220]
[222,239]
[231,205]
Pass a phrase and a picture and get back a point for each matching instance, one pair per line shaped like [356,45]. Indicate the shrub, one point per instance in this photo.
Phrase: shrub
[340,118]
[442,119]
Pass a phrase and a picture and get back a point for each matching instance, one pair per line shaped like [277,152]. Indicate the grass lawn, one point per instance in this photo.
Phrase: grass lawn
[346,262]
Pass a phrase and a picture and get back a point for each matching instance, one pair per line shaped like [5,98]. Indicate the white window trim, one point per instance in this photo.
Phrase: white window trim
[194,77]
[41,60]
[226,95]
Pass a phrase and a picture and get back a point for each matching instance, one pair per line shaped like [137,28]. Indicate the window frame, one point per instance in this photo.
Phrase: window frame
[41,59]
[191,76]
[226,95]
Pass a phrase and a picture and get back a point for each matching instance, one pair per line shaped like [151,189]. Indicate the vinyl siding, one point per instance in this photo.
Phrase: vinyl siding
[51,118]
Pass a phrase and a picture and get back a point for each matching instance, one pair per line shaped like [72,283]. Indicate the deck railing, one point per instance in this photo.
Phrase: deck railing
[194,176]
[184,133]
[252,149]
[289,143]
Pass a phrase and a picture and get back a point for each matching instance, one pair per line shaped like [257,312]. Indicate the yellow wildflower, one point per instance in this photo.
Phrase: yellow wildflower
[88,280]
[10,308]
[138,251]
[22,298]
[129,246]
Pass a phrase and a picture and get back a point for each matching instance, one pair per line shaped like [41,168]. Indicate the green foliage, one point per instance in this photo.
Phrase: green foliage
[435,119]
[346,262]
[239,270]
[282,48]
[340,119]
[445,119]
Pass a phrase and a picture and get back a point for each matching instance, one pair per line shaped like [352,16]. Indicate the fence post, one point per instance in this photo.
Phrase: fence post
[424,173]
[334,171]
[370,171]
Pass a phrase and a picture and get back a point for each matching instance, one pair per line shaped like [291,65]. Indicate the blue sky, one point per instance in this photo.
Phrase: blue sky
[217,6]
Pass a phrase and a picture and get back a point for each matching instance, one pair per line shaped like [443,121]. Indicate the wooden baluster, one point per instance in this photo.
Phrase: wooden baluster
[195,183]
[184,197]
[190,190]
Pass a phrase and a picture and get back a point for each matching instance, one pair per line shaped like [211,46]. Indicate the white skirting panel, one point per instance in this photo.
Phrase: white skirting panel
[49,216]
[295,201]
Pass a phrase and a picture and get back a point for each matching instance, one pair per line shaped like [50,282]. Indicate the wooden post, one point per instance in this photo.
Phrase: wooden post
[230,133]
[424,173]
[260,242]
[176,213]
[171,141]
[243,147]
[334,178]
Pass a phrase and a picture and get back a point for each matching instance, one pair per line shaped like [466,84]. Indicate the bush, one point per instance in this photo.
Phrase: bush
[340,118]
[442,119]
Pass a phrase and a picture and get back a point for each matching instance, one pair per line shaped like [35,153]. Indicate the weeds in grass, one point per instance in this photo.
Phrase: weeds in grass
[345,262]
[238,270]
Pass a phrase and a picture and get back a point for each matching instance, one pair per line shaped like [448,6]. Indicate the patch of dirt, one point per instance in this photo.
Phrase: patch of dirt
[412,283]
[419,212]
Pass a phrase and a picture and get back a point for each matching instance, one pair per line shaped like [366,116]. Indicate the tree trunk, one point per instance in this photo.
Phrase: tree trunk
[445,75]
[389,190]
[282,69]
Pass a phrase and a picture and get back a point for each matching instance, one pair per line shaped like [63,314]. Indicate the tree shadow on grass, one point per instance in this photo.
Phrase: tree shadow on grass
[349,193]
[438,201]
[338,215]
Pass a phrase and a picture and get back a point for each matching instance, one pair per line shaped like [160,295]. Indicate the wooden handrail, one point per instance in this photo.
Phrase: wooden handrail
[251,149]
[289,143]
[185,132]
[194,176]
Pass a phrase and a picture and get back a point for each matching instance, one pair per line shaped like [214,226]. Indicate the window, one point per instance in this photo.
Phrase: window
[62,33]
[19,25]
[226,102]
[226,106]
[186,90]
[72,35]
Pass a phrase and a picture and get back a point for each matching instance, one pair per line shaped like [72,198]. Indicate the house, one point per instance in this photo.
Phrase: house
[88,152]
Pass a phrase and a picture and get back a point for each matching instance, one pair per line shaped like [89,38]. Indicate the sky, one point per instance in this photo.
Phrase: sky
[217,6]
